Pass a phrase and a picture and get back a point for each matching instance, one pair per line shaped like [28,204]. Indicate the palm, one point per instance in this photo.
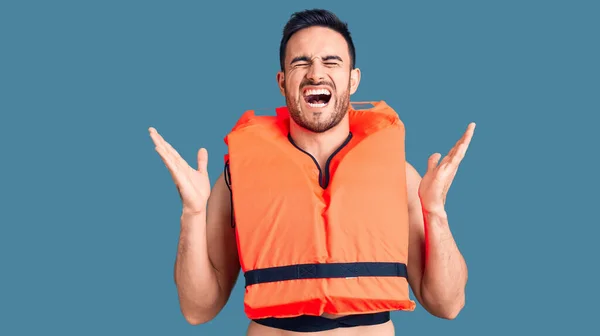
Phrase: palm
[437,180]
[193,184]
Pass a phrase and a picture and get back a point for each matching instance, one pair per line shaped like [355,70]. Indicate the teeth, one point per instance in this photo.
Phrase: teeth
[317,92]
[317,105]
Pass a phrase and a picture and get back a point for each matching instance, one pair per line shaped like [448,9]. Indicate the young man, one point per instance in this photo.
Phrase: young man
[290,197]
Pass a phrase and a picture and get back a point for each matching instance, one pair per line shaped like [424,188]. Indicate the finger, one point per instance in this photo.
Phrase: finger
[175,156]
[160,142]
[456,154]
[173,168]
[158,139]
[432,162]
[164,152]
[469,133]
[459,155]
[462,147]
[169,151]
[167,159]
[466,136]
[460,141]
[173,171]
[203,161]
[452,151]
[155,136]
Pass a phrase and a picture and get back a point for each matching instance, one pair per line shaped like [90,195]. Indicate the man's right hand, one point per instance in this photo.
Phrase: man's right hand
[193,184]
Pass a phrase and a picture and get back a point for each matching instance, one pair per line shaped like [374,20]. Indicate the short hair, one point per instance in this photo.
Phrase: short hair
[315,17]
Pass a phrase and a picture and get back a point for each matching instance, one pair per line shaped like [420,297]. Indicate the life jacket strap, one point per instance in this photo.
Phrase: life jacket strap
[321,271]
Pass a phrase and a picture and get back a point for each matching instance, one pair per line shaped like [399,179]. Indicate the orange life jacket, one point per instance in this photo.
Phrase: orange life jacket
[313,241]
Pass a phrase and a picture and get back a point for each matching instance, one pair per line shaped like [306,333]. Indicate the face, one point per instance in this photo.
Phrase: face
[318,79]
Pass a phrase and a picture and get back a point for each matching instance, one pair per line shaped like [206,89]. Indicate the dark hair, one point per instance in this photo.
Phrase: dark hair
[315,17]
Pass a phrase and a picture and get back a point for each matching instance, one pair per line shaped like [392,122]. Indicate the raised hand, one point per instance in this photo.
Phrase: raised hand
[438,178]
[193,184]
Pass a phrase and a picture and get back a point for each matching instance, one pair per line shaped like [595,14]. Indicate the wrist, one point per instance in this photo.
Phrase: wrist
[435,218]
[431,207]
[436,212]
[191,213]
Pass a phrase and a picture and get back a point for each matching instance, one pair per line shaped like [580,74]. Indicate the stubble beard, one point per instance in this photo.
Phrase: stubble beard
[315,123]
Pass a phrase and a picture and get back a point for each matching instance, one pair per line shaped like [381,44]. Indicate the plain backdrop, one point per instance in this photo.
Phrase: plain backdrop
[89,216]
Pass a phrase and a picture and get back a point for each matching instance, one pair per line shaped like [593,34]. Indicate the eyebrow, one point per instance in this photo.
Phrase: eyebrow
[305,58]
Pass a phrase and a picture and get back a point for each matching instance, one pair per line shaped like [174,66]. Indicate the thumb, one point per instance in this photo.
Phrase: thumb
[433,160]
[203,160]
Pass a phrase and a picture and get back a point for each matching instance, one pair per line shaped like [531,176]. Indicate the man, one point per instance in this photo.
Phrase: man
[316,53]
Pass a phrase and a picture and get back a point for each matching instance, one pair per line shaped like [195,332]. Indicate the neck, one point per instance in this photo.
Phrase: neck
[320,145]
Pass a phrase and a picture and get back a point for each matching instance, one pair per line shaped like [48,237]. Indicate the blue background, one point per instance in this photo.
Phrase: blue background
[89,214]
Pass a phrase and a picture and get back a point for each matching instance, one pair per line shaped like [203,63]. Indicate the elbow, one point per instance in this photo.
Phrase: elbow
[197,308]
[197,318]
[197,311]
[451,309]
[194,320]
[448,308]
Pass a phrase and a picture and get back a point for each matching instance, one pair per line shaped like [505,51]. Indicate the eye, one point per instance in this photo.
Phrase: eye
[331,63]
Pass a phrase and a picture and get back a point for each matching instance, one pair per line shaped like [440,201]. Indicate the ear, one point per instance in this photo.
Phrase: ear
[354,80]
[281,82]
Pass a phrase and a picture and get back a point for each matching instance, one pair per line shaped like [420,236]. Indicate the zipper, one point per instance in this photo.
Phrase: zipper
[324,178]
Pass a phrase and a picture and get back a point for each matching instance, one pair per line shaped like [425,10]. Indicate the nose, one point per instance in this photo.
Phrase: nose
[316,72]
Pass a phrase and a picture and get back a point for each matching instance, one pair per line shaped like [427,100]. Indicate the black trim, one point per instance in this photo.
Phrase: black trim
[321,271]
[307,323]
[227,175]
[323,182]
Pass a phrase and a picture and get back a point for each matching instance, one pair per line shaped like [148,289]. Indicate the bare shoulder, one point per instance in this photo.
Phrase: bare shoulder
[416,245]
[413,180]
[220,234]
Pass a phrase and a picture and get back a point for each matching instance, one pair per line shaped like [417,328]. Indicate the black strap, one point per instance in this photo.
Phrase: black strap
[320,271]
[307,323]
[227,176]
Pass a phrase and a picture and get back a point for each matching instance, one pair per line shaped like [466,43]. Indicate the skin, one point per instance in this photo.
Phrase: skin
[207,264]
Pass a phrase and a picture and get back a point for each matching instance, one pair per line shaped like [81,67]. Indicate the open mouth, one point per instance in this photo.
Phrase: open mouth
[317,97]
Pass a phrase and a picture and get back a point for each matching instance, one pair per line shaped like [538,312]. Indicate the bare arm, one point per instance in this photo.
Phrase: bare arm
[437,272]
[207,264]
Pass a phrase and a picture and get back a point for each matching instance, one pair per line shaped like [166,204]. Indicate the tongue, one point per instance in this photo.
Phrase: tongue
[317,99]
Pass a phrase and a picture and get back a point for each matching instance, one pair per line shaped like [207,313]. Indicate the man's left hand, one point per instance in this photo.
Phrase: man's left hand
[438,178]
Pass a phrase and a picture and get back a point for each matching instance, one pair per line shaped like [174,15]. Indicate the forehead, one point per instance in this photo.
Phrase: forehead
[317,41]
